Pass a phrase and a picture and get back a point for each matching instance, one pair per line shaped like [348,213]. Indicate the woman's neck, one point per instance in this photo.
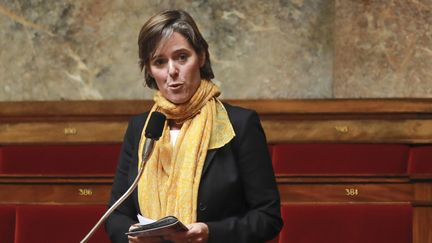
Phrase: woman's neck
[174,125]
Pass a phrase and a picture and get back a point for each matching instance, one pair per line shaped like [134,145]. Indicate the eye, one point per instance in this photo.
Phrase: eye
[158,62]
[183,57]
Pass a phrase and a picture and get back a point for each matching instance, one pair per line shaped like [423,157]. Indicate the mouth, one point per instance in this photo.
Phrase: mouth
[175,85]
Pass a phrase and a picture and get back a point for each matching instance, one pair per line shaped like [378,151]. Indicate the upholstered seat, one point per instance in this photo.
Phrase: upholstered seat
[7,223]
[343,223]
[340,159]
[59,159]
[58,223]
[420,161]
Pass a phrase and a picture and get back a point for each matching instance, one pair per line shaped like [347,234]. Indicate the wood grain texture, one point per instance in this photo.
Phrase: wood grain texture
[291,131]
[39,189]
[351,131]
[422,225]
[62,132]
[346,193]
[423,192]
[352,121]
[264,107]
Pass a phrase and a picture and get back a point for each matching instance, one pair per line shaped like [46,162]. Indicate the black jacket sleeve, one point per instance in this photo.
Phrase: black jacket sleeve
[125,215]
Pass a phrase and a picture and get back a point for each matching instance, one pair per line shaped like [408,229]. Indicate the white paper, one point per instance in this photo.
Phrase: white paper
[143,220]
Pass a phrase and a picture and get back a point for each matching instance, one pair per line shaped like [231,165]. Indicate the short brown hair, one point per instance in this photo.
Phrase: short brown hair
[161,26]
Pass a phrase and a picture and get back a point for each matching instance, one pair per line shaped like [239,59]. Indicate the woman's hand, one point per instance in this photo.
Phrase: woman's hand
[134,239]
[197,233]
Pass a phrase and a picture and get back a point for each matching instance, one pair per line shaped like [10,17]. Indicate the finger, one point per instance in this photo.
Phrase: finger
[134,226]
[132,239]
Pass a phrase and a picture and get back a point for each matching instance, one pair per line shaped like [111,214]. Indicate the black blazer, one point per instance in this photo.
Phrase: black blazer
[238,197]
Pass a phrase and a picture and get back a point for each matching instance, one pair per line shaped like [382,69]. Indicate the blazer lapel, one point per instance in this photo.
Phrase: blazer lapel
[208,160]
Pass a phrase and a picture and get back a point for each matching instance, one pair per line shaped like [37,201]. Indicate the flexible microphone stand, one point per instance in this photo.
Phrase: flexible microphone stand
[153,132]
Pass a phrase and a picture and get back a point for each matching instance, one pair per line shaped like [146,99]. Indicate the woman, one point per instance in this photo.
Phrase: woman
[211,167]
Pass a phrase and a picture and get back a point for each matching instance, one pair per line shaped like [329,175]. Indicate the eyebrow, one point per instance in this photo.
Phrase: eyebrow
[175,52]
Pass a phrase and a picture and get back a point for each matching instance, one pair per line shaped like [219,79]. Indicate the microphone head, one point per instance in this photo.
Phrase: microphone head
[155,125]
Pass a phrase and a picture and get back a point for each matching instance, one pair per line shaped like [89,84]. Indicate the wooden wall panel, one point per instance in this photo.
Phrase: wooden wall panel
[346,192]
[352,131]
[422,225]
[62,132]
[423,192]
[33,189]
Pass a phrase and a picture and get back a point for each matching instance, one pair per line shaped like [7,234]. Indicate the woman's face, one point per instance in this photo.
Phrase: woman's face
[176,68]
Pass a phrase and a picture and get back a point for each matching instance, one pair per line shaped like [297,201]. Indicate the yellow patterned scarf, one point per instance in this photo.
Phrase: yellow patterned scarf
[169,185]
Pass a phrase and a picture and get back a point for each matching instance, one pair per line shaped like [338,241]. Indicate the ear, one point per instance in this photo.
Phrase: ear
[202,59]
[148,70]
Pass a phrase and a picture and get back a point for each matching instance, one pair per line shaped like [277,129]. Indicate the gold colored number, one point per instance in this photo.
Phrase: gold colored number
[351,191]
[85,192]
[342,129]
[70,131]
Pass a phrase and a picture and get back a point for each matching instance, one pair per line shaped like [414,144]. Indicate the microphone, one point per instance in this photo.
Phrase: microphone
[152,133]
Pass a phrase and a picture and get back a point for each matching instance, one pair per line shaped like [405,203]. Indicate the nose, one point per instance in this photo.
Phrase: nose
[172,69]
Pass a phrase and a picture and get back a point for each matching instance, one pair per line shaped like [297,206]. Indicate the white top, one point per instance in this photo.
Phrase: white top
[173,135]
